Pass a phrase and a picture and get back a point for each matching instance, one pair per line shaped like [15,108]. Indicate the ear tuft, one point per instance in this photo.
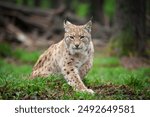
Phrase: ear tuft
[88,26]
[66,22]
[66,25]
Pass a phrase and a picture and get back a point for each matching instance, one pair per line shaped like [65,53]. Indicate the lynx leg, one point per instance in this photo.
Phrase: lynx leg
[84,69]
[40,73]
[74,80]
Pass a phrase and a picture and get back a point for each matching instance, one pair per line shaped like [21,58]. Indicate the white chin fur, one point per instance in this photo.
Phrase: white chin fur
[75,51]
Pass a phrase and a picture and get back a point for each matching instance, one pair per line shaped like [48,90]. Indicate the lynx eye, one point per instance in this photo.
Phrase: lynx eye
[71,37]
[81,37]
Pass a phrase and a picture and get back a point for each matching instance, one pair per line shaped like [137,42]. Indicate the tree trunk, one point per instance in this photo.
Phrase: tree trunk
[97,10]
[130,27]
[37,3]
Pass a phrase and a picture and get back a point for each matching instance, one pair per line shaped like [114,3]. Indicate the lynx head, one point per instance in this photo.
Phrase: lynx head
[77,37]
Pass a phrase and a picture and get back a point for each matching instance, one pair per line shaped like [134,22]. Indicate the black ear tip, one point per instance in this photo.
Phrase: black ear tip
[66,19]
[91,19]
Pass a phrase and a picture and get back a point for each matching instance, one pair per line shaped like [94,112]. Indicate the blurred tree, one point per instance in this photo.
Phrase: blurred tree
[68,5]
[97,10]
[57,3]
[37,3]
[12,1]
[130,25]
[25,2]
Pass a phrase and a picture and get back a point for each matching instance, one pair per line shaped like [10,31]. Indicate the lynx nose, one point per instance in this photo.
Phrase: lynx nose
[76,45]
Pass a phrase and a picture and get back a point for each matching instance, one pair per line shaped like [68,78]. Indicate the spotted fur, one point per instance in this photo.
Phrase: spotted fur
[72,56]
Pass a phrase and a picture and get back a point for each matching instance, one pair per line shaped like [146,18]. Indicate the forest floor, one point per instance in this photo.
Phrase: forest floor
[111,78]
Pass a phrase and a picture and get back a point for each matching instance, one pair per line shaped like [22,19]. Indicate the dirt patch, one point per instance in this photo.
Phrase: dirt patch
[111,91]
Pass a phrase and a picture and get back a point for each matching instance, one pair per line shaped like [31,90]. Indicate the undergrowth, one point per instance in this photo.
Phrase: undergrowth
[108,78]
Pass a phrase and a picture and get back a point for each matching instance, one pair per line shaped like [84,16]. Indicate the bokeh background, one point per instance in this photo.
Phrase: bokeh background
[121,36]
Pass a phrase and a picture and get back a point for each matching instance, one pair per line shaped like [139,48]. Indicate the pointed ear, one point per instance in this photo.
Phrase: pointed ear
[66,22]
[88,26]
[66,25]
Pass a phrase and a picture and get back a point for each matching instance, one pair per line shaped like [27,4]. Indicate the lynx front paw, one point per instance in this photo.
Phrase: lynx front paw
[85,90]
[90,91]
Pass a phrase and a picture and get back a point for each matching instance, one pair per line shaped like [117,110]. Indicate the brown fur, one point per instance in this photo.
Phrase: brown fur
[72,57]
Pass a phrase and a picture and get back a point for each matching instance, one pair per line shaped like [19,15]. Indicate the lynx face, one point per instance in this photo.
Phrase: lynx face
[77,38]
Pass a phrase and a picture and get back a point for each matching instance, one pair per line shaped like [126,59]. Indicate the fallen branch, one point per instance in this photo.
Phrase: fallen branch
[20,36]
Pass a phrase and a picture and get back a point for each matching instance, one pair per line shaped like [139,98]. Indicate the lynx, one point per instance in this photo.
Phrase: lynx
[72,56]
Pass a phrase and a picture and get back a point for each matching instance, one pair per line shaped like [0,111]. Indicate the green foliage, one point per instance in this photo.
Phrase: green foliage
[109,8]
[123,44]
[107,78]
[126,42]
[31,3]
[19,2]
[45,4]
[82,9]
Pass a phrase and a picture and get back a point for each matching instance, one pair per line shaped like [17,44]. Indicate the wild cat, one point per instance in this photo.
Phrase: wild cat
[72,56]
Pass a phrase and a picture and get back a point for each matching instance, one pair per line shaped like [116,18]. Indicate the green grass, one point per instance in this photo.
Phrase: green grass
[107,78]
[25,56]
[18,54]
